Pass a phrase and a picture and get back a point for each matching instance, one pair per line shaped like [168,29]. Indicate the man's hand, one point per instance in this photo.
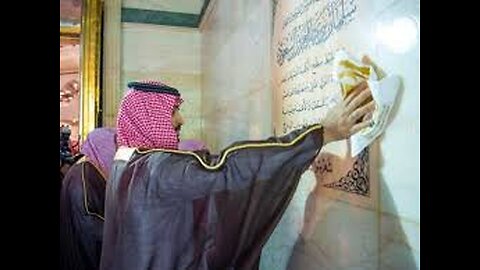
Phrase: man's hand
[343,120]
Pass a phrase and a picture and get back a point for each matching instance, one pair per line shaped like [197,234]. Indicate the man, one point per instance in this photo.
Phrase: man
[171,209]
[82,202]
[67,158]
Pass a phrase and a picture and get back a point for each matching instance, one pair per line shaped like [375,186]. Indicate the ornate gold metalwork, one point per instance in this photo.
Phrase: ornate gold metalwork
[91,29]
[70,31]
[69,34]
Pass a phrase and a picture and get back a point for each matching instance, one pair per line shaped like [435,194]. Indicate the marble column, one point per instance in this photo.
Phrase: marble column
[112,60]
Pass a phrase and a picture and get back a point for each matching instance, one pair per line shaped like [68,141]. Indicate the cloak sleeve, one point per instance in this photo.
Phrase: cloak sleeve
[240,165]
[169,209]
[240,196]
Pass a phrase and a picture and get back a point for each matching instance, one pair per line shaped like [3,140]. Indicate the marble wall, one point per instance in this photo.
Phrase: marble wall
[237,96]
[182,6]
[396,33]
[342,231]
[169,54]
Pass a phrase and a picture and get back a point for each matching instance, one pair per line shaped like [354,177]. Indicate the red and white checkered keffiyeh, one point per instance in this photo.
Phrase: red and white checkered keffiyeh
[145,119]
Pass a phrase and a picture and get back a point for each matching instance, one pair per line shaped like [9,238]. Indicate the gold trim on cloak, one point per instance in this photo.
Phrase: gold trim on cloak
[228,151]
[84,160]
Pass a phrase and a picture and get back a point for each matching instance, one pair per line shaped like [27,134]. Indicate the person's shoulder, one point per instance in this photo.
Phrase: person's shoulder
[157,152]
[77,168]
[162,155]
[73,176]
[154,154]
[138,156]
[78,157]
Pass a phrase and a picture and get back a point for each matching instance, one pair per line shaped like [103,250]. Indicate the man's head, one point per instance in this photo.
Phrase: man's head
[100,147]
[149,116]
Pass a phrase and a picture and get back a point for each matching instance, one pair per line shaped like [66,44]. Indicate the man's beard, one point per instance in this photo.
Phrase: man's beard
[177,131]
